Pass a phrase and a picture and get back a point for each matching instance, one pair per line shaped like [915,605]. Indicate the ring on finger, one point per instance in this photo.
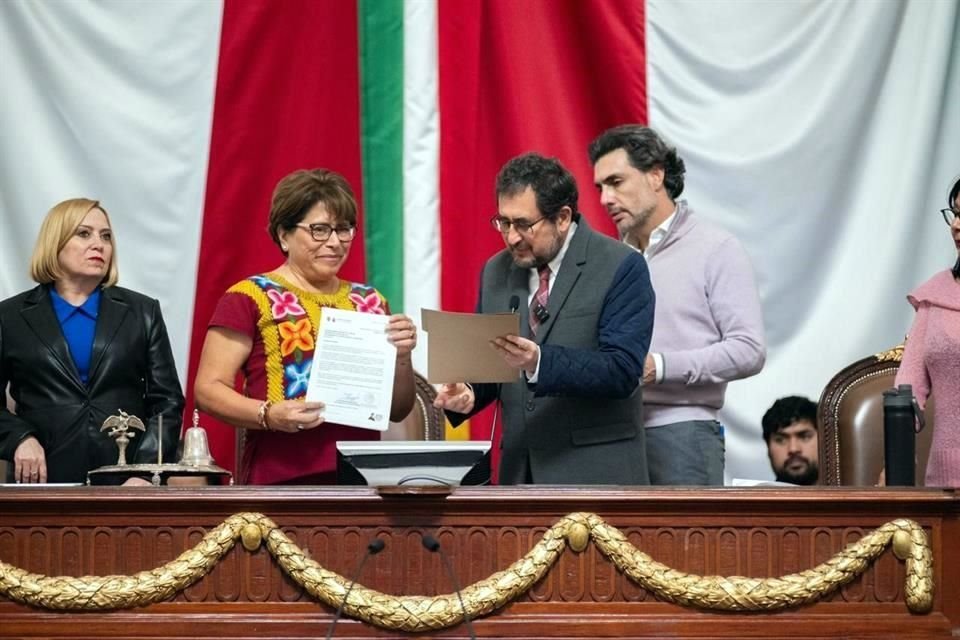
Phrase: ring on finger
[299,427]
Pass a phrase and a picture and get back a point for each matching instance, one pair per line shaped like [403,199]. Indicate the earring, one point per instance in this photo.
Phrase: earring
[283,248]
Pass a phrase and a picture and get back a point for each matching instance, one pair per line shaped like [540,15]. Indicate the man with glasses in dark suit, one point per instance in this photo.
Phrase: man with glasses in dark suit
[574,416]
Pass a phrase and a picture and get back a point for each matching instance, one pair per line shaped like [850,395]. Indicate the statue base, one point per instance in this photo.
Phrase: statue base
[158,473]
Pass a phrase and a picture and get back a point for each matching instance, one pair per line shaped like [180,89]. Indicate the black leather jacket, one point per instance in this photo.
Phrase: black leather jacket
[131,368]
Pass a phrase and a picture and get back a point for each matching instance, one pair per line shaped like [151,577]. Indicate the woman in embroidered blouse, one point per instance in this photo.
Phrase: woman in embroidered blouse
[931,358]
[264,328]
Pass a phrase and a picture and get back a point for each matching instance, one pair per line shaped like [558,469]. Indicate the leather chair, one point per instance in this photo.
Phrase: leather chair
[425,421]
[850,418]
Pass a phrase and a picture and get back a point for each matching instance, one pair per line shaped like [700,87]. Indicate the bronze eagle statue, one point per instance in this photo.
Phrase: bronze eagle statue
[119,427]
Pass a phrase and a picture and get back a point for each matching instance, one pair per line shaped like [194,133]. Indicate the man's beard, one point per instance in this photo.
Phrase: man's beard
[807,477]
[534,261]
[634,223]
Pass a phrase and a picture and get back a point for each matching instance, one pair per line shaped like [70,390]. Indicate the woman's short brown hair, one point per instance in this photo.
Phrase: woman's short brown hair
[58,227]
[300,191]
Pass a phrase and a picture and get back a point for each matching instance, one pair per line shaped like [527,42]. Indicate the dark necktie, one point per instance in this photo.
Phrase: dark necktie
[538,306]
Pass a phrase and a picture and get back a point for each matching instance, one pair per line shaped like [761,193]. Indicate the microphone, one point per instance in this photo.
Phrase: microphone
[541,312]
[514,305]
[376,546]
[432,545]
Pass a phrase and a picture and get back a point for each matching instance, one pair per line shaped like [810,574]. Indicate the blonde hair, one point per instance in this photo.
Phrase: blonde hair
[58,227]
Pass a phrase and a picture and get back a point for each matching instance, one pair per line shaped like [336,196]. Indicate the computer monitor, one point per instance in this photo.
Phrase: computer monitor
[413,463]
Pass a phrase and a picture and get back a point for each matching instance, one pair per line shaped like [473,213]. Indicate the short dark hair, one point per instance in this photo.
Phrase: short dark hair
[954,192]
[645,149]
[300,191]
[951,200]
[785,412]
[553,186]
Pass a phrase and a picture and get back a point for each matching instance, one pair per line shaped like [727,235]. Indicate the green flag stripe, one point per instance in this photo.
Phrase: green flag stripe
[381,122]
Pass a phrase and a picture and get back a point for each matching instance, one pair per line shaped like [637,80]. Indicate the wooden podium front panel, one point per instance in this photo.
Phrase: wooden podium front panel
[762,532]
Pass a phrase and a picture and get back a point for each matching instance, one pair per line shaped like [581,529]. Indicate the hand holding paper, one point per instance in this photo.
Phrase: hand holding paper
[455,397]
[291,416]
[402,333]
[518,352]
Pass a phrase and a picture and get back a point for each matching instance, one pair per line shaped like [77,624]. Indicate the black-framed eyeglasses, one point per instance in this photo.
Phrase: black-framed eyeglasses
[522,227]
[321,232]
[949,215]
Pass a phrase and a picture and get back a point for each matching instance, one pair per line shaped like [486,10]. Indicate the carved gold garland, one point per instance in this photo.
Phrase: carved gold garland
[424,613]
[891,355]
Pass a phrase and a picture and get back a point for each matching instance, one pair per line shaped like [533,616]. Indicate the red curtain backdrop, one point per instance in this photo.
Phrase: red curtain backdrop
[287,98]
[544,75]
[534,75]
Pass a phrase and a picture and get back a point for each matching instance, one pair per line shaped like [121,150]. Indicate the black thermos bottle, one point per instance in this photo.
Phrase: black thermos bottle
[899,436]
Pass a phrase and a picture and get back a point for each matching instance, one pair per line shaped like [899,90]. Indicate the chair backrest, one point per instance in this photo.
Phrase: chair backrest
[850,417]
[425,421]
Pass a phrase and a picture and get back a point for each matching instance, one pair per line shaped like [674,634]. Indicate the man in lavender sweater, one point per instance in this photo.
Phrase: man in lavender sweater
[708,326]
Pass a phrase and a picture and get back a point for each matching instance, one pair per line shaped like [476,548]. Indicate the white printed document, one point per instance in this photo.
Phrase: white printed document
[353,369]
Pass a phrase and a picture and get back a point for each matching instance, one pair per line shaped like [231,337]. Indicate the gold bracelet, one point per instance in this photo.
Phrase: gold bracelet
[262,415]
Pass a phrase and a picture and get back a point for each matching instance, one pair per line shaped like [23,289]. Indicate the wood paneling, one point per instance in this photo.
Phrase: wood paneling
[749,532]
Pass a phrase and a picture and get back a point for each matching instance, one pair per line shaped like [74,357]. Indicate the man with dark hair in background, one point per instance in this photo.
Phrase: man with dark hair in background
[790,431]
[574,414]
[708,328]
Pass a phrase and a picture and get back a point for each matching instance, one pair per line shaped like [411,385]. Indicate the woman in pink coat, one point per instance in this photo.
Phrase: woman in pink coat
[931,359]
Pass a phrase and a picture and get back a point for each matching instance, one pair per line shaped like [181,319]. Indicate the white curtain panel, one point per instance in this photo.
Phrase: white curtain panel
[421,170]
[110,100]
[825,136]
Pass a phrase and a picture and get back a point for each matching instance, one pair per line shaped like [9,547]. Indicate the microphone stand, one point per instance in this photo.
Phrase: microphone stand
[514,305]
[376,546]
[432,545]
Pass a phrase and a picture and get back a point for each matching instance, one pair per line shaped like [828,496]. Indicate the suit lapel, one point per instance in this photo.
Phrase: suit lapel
[570,270]
[38,314]
[112,312]
[519,285]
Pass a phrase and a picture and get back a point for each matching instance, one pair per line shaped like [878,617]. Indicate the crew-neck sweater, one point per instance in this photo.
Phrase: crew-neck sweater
[708,324]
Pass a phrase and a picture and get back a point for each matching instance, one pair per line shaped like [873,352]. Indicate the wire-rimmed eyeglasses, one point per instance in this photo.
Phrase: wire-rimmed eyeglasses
[321,232]
[949,215]
[522,227]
